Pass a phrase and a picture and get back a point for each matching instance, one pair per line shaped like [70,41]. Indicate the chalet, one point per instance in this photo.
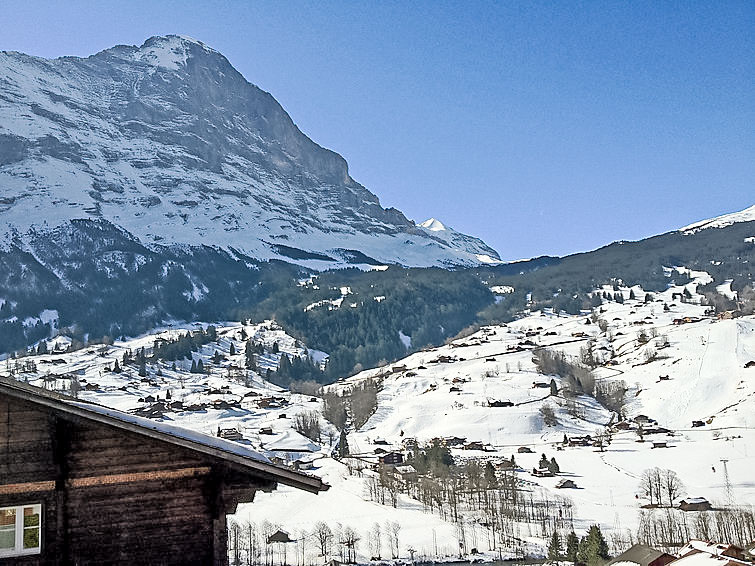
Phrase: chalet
[497,403]
[454,441]
[280,536]
[85,484]
[524,450]
[406,473]
[719,551]
[622,425]
[660,444]
[566,484]
[506,465]
[394,458]
[586,440]
[542,473]
[229,434]
[695,504]
[641,555]
[474,445]
[696,424]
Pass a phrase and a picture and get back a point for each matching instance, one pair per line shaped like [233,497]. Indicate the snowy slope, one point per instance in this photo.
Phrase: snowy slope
[448,391]
[169,142]
[746,215]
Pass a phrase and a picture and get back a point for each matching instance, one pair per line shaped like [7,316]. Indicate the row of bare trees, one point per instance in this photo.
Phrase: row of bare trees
[668,529]
[250,544]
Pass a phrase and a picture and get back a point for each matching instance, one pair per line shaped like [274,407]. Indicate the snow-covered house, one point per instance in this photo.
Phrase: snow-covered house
[641,555]
[83,483]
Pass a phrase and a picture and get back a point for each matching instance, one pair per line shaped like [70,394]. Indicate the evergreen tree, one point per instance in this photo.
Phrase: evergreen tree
[200,366]
[276,349]
[631,294]
[193,366]
[343,445]
[593,549]
[142,367]
[553,466]
[490,478]
[572,545]
[554,548]
[554,387]
[117,368]
[543,463]
[232,350]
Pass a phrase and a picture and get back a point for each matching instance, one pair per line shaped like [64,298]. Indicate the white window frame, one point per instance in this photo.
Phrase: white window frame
[19,549]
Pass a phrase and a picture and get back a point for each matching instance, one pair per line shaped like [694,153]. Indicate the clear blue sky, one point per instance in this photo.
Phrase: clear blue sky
[543,128]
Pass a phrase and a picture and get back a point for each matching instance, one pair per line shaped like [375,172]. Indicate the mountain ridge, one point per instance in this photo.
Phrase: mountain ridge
[171,143]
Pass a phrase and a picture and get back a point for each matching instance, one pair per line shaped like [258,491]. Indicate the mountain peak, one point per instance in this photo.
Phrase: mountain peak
[169,51]
[433,225]
[170,143]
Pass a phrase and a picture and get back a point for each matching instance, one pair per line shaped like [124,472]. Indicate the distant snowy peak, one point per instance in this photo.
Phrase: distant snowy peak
[433,225]
[746,215]
[169,143]
[483,252]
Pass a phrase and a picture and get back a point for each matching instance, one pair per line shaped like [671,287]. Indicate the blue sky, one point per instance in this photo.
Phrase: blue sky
[543,128]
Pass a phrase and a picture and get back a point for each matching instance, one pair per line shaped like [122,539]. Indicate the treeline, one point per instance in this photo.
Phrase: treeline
[669,529]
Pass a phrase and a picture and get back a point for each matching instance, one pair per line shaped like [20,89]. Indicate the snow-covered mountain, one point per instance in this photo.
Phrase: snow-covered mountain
[483,252]
[172,145]
[746,215]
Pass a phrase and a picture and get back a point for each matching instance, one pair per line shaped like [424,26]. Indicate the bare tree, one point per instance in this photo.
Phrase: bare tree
[324,536]
[673,487]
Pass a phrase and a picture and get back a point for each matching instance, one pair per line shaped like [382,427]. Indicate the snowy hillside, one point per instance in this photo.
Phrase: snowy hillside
[689,403]
[170,143]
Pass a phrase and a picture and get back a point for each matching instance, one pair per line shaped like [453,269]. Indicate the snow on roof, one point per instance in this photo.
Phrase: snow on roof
[705,559]
[694,500]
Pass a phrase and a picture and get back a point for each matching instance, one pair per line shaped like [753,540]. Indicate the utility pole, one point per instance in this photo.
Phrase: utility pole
[727,483]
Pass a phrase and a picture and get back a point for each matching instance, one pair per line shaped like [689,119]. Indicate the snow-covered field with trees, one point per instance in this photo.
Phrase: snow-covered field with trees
[644,381]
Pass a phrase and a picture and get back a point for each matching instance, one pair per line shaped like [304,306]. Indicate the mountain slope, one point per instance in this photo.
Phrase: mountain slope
[170,143]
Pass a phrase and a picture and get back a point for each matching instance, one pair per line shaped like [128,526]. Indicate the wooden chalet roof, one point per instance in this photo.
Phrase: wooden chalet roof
[239,455]
[638,554]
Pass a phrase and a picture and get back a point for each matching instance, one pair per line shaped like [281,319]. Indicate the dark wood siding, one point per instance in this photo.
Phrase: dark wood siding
[112,496]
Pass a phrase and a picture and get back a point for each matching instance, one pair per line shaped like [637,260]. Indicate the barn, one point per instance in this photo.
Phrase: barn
[85,484]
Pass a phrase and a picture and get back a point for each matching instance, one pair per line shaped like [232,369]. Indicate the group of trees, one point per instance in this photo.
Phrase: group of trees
[250,544]
[590,550]
[472,494]
[668,529]
[184,345]
[576,378]
[661,487]
[355,403]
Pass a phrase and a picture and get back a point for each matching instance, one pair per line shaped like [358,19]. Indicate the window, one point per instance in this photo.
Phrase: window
[20,530]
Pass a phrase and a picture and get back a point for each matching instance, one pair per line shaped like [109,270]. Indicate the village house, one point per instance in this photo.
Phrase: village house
[566,484]
[642,555]
[85,484]
[695,504]
[393,458]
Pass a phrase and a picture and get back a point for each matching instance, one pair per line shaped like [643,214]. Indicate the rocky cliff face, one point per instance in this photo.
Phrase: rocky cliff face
[171,145]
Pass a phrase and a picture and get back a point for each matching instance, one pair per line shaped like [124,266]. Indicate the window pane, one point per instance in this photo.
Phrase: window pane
[7,517]
[31,537]
[7,529]
[31,518]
